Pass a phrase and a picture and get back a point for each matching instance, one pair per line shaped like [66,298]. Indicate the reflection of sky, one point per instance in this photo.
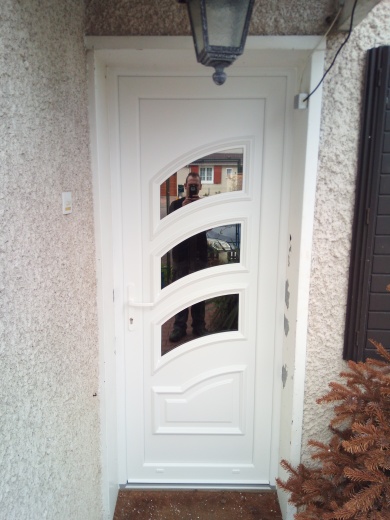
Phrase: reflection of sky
[229,233]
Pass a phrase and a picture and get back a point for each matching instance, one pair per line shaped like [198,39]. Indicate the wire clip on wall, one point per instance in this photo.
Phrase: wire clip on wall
[300,101]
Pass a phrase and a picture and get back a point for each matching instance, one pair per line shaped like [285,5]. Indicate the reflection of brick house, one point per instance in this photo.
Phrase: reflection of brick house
[220,172]
[172,183]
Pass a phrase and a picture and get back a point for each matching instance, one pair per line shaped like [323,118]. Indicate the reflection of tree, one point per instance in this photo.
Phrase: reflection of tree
[225,313]
[166,270]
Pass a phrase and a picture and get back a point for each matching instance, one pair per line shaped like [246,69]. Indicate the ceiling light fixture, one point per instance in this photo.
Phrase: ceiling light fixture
[219,29]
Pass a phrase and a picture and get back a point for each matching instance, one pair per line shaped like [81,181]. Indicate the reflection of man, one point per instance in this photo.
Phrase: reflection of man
[188,257]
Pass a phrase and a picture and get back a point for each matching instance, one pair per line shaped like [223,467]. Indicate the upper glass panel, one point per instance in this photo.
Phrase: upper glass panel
[220,172]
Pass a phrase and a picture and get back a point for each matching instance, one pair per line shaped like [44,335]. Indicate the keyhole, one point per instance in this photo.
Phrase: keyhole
[131,321]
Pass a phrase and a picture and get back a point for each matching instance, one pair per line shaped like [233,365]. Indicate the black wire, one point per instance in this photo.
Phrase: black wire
[337,53]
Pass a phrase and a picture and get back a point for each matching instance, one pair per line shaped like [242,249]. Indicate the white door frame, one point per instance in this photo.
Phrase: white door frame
[293,58]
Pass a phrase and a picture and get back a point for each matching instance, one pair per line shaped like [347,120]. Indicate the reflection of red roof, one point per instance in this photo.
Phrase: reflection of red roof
[221,158]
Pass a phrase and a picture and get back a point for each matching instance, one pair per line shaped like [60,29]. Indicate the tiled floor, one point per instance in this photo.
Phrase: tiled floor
[196,505]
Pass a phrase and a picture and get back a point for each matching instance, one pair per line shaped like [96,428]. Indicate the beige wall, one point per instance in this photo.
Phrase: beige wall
[49,420]
[339,149]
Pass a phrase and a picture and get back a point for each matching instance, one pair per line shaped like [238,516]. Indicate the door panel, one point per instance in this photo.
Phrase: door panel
[200,412]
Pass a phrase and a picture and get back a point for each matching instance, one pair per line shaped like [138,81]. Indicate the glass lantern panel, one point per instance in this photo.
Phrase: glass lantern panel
[197,29]
[226,21]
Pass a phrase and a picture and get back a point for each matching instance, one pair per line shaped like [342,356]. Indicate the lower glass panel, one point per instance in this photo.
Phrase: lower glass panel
[211,316]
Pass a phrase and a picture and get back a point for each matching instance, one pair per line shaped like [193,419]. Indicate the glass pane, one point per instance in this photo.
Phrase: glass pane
[204,318]
[216,173]
[217,246]
[194,7]
[226,21]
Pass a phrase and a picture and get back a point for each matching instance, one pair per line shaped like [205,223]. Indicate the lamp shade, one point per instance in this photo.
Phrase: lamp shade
[219,29]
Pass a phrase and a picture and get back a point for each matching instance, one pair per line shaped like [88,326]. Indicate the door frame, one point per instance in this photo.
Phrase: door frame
[300,60]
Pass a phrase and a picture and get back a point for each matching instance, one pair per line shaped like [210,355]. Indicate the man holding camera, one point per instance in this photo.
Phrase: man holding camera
[188,257]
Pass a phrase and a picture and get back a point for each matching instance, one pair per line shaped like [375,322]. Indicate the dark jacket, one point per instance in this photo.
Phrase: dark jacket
[192,250]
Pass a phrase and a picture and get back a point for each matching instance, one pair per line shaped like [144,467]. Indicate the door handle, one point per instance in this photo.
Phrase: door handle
[132,303]
[131,300]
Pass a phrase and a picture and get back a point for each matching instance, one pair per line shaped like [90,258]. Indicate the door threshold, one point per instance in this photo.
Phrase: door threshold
[210,487]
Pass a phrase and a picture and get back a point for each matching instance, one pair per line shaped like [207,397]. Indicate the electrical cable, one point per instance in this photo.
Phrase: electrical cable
[318,44]
[337,53]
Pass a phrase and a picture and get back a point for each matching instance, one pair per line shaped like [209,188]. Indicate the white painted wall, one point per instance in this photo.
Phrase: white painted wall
[49,414]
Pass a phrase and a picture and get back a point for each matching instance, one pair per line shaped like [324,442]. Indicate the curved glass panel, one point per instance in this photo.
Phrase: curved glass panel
[217,246]
[216,173]
[217,314]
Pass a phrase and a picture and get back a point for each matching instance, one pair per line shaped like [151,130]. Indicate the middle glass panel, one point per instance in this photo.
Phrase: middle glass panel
[217,246]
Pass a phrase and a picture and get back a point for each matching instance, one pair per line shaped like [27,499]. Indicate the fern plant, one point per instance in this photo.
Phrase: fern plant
[352,478]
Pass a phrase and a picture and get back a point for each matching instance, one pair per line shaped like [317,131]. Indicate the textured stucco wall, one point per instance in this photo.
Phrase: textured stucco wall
[340,127]
[168,17]
[49,419]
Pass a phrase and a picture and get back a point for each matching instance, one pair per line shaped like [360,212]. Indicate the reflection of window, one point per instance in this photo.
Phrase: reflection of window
[206,174]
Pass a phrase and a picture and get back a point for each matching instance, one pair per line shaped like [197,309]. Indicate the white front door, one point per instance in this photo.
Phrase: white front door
[201,412]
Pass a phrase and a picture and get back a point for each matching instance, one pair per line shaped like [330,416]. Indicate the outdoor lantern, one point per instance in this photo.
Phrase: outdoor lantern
[219,29]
